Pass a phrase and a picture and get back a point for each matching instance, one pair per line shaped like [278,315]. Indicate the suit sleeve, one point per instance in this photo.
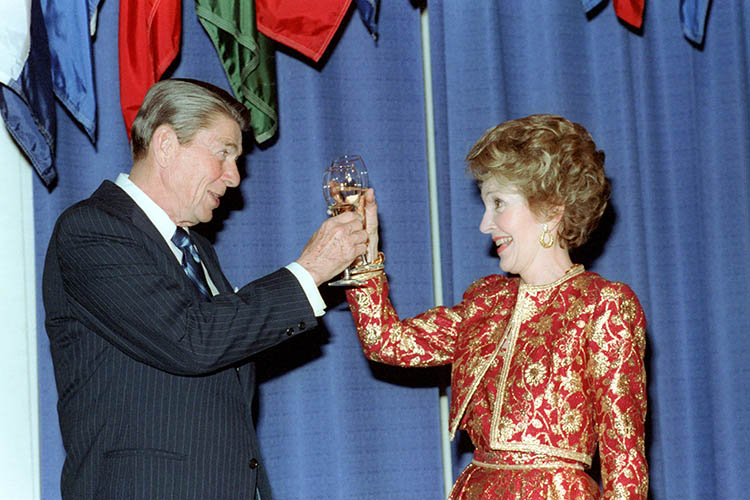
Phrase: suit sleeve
[122,285]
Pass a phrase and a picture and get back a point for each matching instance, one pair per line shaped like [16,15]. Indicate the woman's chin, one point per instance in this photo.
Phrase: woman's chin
[504,266]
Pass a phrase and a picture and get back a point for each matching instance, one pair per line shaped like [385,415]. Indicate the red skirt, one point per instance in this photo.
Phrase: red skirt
[523,476]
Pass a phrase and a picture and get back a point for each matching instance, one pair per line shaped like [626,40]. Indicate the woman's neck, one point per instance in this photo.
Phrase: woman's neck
[551,269]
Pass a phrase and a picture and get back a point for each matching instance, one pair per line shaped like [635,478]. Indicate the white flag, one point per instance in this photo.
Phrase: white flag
[15,38]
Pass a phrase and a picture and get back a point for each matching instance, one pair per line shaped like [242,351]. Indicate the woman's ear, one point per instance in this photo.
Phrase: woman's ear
[554,216]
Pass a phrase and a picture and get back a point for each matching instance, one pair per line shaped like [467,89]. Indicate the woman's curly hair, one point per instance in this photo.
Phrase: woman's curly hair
[554,164]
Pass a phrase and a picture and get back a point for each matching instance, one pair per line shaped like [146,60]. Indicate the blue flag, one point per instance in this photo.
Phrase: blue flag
[590,4]
[68,26]
[27,103]
[693,14]
[368,11]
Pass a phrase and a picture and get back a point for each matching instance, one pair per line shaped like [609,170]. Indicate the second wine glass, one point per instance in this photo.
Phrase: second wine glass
[344,183]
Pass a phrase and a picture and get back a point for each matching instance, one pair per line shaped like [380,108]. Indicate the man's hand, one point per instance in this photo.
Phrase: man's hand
[334,246]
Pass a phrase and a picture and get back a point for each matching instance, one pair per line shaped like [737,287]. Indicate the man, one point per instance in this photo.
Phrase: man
[150,343]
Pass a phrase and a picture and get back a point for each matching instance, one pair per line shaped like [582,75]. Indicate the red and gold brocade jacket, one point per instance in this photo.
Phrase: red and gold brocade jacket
[551,370]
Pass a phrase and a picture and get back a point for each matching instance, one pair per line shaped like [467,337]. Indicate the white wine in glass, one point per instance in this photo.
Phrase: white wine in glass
[344,183]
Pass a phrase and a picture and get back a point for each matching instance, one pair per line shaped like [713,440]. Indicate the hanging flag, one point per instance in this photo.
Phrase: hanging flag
[693,15]
[93,15]
[15,38]
[27,102]
[305,26]
[68,27]
[630,11]
[368,11]
[247,57]
[149,40]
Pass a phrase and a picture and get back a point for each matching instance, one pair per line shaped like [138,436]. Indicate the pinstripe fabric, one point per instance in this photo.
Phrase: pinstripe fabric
[154,384]
[191,261]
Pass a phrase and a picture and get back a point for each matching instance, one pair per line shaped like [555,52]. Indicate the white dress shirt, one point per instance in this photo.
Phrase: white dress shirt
[167,227]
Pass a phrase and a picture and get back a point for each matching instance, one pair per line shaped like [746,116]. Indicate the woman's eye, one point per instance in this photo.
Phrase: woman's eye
[499,203]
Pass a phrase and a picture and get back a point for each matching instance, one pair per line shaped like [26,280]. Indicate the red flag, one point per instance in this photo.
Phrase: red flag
[149,41]
[630,11]
[301,24]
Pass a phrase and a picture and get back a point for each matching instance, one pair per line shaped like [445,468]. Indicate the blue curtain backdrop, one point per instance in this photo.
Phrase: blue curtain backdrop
[330,425]
[673,119]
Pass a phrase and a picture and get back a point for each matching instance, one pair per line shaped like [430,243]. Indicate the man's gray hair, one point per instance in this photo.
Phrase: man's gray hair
[187,106]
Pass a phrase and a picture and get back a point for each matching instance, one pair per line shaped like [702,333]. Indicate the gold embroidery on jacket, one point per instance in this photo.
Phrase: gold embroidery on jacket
[551,371]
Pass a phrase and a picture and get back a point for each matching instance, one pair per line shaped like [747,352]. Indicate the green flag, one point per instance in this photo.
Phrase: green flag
[247,57]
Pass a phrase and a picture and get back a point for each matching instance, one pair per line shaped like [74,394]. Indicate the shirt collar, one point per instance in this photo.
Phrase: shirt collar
[154,212]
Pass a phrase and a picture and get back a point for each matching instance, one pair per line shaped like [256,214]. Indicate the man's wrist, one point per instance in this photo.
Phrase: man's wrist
[307,282]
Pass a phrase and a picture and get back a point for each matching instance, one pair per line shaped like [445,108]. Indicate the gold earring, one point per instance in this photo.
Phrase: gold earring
[547,239]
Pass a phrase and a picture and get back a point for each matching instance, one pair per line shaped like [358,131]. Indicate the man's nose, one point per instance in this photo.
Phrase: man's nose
[232,174]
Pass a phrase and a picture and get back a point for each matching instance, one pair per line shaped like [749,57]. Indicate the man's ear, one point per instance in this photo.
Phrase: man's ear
[164,145]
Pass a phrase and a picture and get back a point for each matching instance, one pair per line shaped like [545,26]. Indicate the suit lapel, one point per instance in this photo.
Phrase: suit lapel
[116,201]
[112,199]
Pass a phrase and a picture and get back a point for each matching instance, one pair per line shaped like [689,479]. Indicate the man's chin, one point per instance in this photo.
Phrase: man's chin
[206,215]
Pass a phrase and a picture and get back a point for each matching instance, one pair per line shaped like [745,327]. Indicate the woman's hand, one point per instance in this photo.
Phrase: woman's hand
[371,224]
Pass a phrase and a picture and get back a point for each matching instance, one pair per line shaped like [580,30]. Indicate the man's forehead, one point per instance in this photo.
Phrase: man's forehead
[224,130]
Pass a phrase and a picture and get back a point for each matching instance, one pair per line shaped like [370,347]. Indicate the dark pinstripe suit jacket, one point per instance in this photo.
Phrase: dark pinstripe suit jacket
[154,382]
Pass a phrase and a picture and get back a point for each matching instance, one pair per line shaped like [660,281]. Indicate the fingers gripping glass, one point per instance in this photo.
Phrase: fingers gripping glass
[344,183]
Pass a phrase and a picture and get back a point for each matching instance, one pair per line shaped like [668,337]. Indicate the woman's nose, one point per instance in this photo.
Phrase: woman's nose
[485,224]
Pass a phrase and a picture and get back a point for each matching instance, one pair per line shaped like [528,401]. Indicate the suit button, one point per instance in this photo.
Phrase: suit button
[289,331]
[301,325]
[253,463]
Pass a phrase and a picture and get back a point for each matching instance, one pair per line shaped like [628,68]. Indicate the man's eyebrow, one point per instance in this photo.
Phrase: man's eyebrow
[236,148]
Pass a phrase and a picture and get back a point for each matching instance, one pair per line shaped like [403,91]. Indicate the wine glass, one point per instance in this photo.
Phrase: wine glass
[344,183]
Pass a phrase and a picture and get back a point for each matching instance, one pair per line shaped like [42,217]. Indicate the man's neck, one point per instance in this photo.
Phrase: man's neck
[146,176]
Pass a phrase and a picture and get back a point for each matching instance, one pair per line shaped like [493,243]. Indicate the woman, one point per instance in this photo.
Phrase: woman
[546,365]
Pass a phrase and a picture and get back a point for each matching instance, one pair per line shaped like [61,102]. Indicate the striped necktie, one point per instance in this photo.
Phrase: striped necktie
[191,262]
